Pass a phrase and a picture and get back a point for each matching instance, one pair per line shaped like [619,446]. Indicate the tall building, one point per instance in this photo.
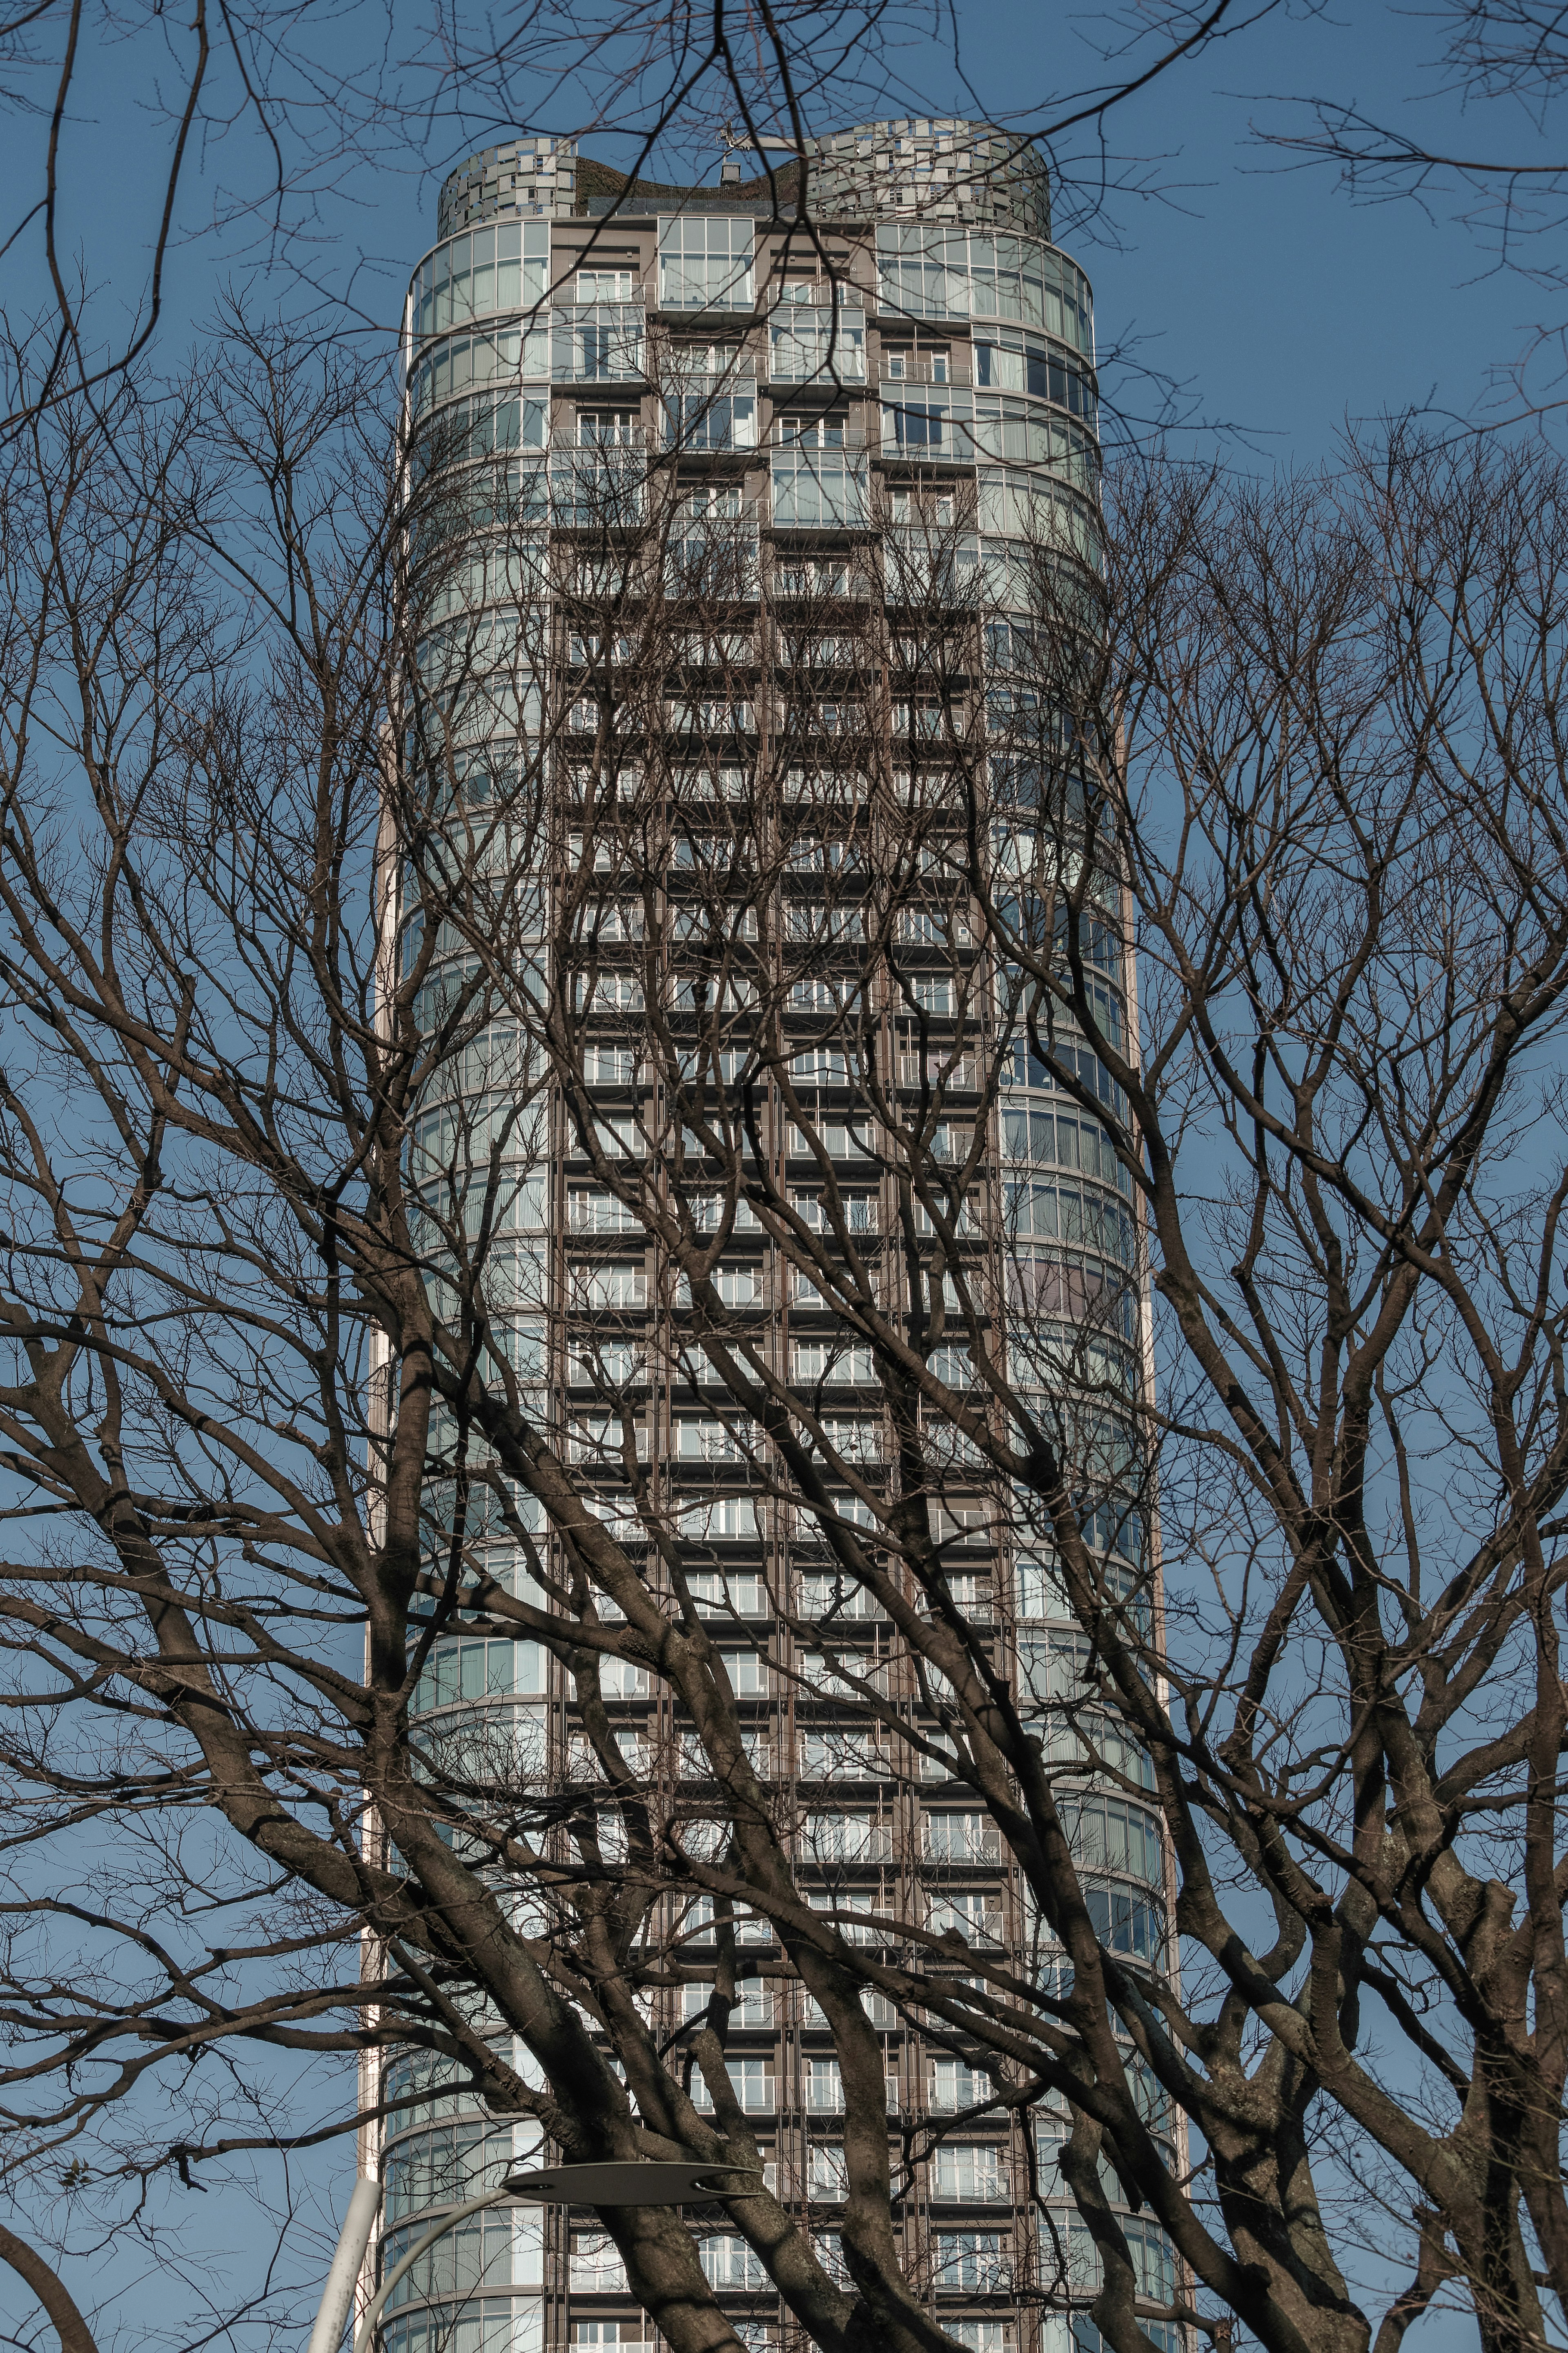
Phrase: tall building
[902,392]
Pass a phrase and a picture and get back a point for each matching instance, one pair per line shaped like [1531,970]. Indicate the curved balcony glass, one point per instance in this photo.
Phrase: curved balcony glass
[484,271]
[929,272]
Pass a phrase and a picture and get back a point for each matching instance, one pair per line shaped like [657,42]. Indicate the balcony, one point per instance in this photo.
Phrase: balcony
[975,2177]
[716,417]
[600,343]
[833,1595]
[751,2081]
[897,369]
[598,486]
[951,2087]
[819,489]
[712,559]
[831,1838]
[809,344]
[961,1838]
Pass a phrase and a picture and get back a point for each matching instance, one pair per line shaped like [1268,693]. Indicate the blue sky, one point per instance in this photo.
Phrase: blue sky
[1279,306]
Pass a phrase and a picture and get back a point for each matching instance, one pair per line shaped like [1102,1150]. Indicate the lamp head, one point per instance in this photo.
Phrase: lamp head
[641,2182]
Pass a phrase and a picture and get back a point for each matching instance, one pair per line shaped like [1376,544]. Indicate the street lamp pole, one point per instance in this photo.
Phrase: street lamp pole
[640,2182]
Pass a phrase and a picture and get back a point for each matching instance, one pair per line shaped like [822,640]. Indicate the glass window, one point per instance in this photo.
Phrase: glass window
[918,425]
[971,2260]
[729,2262]
[923,271]
[600,346]
[802,349]
[830,1360]
[975,1916]
[489,270]
[955,2085]
[1108,1832]
[598,2267]
[708,420]
[751,2080]
[847,1838]
[615,427]
[819,492]
[609,1286]
[705,264]
[752,2005]
[483,427]
[691,359]
[974,2172]
[824,2087]
[962,1838]
[1024,507]
[1125,1923]
[476,1669]
[713,1441]
[460,360]
[829,2248]
[724,1593]
[730,1519]
[603,286]
[927,272]
[444,2167]
[499,2323]
[812,432]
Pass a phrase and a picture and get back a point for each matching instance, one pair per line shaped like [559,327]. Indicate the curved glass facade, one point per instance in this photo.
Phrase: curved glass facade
[935,408]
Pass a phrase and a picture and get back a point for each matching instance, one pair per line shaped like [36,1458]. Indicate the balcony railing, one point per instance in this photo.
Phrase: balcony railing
[807,344]
[850,437]
[825,2094]
[601,343]
[895,371]
[755,2091]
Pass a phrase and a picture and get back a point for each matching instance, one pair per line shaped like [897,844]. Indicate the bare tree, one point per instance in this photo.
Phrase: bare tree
[1503,62]
[254,128]
[304,1068]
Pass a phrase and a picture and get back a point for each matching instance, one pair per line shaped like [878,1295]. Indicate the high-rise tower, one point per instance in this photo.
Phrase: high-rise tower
[866,435]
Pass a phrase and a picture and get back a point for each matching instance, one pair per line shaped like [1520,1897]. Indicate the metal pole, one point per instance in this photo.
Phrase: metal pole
[632,2183]
[337,2293]
[365,2335]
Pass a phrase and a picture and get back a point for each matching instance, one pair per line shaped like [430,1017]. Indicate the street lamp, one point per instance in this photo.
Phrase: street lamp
[638,2183]
[735,141]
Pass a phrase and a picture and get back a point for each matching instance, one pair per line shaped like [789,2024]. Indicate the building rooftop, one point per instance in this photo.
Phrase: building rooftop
[949,172]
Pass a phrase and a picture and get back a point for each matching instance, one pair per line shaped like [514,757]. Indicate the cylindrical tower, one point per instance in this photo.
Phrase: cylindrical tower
[908,396]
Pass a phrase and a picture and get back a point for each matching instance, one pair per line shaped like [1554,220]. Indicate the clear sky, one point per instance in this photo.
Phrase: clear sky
[1281,307]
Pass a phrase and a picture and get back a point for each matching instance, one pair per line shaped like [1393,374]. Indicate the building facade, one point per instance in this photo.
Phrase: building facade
[912,377]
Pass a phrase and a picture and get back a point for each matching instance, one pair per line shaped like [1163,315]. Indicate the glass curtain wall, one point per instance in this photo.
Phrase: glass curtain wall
[840,454]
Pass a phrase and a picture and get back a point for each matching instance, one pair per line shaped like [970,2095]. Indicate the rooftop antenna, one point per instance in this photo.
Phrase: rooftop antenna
[736,142]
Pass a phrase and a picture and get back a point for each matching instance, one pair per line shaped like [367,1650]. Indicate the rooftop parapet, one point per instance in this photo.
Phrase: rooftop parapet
[944,170]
